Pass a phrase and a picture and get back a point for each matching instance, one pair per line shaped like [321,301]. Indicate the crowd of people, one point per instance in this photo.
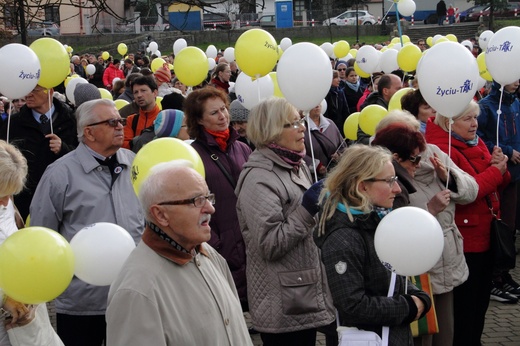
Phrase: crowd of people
[282,225]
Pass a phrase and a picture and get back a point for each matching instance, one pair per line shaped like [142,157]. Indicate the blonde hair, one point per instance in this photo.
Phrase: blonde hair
[441,119]
[13,170]
[401,117]
[358,163]
[266,120]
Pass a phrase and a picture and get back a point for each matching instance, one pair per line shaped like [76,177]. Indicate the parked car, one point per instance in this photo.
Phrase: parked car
[509,11]
[475,9]
[43,29]
[216,21]
[265,21]
[349,18]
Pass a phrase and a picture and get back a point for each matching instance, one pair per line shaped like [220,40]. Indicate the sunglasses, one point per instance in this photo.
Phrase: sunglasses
[342,69]
[110,122]
[415,159]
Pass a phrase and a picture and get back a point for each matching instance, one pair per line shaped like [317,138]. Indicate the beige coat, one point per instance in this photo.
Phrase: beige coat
[287,288]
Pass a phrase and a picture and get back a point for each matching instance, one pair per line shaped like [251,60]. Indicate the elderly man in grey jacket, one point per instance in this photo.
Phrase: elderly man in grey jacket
[175,289]
[90,184]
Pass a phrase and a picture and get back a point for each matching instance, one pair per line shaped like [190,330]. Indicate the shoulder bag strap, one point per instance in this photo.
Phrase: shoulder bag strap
[215,159]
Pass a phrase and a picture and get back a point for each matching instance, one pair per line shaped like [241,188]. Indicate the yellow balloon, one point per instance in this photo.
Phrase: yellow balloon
[28,220]
[408,57]
[482,67]
[442,39]
[68,79]
[120,103]
[350,126]
[353,52]
[452,38]
[54,61]
[191,66]
[105,55]
[406,39]
[170,66]
[162,150]
[105,94]
[384,49]
[429,41]
[369,118]
[395,101]
[156,63]
[36,265]
[158,101]
[277,91]
[395,40]
[69,49]
[341,48]
[122,48]
[360,72]
[256,53]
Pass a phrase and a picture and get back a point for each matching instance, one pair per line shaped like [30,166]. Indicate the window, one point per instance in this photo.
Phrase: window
[52,13]
[299,8]
[10,19]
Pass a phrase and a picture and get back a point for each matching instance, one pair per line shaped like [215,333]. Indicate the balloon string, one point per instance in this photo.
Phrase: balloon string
[449,153]
[499,112]
[9,120]
[386,14]
[50,108]
[307,118]
[399,25]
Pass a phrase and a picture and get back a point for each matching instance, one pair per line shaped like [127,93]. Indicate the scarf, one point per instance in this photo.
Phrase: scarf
[220,84]
[471,143]
[354,86]
[221,137]
[423,127]
[294,158]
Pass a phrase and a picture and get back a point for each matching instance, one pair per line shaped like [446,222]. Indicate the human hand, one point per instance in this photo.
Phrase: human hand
[54,143]
[335,157]
[26,319]
[322,170]
[515,157]
[496,155]
[420,307]
[439,167]
[499,160]
[311,196]
[439,202]
[16,309]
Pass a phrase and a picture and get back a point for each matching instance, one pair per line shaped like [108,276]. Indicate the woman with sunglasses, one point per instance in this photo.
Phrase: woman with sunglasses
[356,195]
[469,152]
[288,298]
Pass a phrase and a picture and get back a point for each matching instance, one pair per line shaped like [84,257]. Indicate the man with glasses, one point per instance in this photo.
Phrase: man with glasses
[91,184]
[174,288]
[421,43]
[44,130]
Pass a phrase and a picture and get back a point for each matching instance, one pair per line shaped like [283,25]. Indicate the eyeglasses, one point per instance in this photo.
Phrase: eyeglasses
[198,201]
[415,159]
[342,69]
[296,125]
[390,181]
[110,122]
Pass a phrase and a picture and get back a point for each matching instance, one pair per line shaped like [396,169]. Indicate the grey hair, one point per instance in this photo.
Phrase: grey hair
[85,114]
[398,116]
[155,183]
[441,120]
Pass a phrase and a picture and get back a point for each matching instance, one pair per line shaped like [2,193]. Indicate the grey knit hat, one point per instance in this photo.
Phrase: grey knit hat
[238,112]
[85,92]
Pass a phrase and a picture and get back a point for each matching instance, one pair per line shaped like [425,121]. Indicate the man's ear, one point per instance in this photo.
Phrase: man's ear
[159,216]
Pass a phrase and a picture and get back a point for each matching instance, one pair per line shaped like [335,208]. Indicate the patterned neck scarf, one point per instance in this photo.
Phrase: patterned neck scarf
[165,237]
[221,137]
[294,158]
[471,143]
[381,212]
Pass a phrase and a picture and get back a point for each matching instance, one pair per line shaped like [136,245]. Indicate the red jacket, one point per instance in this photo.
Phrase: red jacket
[474,219]
[110,73]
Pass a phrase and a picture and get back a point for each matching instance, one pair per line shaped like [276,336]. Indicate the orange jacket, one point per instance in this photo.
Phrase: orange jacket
[144,121]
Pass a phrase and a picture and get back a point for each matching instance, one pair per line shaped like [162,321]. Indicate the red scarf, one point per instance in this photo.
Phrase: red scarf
[221,137]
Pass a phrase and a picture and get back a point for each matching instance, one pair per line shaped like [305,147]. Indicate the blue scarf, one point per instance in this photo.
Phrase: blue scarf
[354,86]
[471,143]
[381,212]
[423,127]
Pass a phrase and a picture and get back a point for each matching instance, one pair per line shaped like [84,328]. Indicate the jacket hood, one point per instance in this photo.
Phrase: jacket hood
[507,98]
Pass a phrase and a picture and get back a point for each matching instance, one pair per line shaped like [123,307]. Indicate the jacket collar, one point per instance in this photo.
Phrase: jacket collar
[89,163]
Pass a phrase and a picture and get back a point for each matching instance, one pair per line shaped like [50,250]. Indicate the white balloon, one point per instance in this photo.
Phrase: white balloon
[91,69]
[435,38]
[367,59]
[250,92]
[179,44]
[211,64]
[328,48]
[484,38]
[20,70]
[115,79]
[158,53]
[503,55]
[346,57]
[448,77]
[100,251]
[467,44]
[153,46]
[397,46]
[481,82]
[323,106]
[229,54]
[71,86]
[389,61]
[211,51]
[406,7]
[405,248]
[285,43]
[304,90]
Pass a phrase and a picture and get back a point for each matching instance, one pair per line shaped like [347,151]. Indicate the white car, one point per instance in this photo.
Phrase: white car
[349,18]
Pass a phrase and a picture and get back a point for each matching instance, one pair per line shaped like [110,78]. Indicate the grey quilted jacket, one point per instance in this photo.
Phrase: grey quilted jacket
[287,287]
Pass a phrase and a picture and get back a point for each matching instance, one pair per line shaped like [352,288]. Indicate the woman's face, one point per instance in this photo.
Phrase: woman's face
[316,111]
[352,77]
[292,138]
[215,116]
[381,192]
[225,75]
[466,126]
[335,81]
[411,163]
[425,112]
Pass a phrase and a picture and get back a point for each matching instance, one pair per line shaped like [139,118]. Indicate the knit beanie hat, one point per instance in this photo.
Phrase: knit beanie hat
[85,92]
[168,123]
[163,74]
[238,112]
